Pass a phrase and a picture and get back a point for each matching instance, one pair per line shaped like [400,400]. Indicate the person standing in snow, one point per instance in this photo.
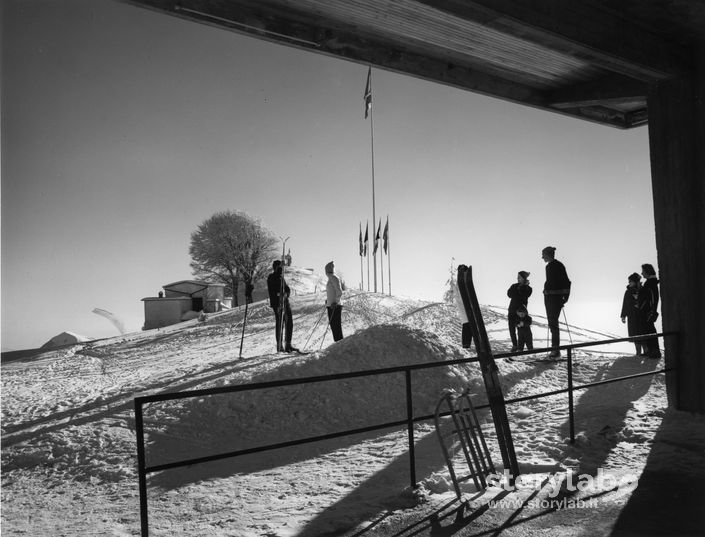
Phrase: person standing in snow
[279,301]
[518,294]
[648,309]
[630,311]
[523,327]
[334,293]
[556,292]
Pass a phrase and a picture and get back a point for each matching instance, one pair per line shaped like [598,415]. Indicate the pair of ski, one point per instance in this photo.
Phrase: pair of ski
[490,371]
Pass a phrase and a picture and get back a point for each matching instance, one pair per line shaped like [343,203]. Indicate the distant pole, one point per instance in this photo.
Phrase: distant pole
[389,257]
[374,214]
[362,276]
[367,255]
[244,323]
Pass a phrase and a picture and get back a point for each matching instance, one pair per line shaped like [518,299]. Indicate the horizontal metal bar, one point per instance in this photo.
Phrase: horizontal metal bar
[290,443]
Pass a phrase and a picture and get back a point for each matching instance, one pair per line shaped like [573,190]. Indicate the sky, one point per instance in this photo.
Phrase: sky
[124,129]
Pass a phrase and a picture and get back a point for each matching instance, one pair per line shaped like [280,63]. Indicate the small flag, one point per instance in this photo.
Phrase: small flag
[362,249]
[385,235]
[367,225]
[379,228]
[368,92]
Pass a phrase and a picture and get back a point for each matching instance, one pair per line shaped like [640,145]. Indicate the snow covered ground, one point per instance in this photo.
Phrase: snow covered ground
[69,448]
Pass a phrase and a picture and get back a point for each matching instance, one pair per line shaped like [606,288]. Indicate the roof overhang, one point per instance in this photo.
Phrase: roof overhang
[590,59]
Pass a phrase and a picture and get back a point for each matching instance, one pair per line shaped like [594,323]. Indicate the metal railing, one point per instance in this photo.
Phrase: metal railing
[139,402]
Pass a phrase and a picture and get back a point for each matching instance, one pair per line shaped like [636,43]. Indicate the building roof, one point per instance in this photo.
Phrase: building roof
[590,59]
[195,283]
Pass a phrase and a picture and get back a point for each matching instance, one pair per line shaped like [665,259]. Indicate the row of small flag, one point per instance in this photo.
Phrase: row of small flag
[385,238]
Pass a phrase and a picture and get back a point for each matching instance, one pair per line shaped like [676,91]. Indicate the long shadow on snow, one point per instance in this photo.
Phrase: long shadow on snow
[170,445]
[113,406]
[670,494]
[601,411]
[396,473]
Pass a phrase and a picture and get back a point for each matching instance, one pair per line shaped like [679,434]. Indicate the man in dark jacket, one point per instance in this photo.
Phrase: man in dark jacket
[556,292]
[648,309]
[518,294]
[279,302]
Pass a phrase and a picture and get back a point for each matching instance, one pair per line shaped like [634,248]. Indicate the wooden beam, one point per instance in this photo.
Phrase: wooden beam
[581,30]
[613,89]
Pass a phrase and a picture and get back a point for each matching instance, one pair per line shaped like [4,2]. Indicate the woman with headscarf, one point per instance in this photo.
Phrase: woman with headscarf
[630,311]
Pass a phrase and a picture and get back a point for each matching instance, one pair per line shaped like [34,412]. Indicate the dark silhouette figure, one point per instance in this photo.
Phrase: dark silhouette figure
[630,311]
[556,292]
[518,294]
[279,301]
[648,309]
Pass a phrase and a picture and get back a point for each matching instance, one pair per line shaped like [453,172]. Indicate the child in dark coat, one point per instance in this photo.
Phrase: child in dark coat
[519,294]
[524,335]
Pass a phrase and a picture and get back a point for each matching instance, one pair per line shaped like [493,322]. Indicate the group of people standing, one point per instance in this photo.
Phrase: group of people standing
[639,310]
[639,307]
[279,294]
[556,291]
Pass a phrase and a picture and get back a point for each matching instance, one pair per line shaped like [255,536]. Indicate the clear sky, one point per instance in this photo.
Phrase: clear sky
[124,129]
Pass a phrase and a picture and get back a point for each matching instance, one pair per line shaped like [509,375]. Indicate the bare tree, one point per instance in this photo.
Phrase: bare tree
[231,247]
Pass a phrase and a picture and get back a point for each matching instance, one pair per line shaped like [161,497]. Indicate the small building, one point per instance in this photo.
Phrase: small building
[182,300]
[65,338]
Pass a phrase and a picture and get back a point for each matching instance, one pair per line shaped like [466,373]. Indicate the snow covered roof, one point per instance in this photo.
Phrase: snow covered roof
[65,338]
[197,283]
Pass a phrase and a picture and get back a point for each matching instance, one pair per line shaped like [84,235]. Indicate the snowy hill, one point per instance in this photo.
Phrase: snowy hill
[69,451]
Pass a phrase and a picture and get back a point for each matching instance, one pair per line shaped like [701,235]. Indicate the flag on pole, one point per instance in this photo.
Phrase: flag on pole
[368,94]
[362,249]
[379,228]
[385,235]
[367,225]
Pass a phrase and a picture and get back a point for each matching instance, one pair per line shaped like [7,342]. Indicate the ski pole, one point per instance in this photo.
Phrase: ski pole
[548,331]
[244,323]
[570,337]
[324,334]
[315,326]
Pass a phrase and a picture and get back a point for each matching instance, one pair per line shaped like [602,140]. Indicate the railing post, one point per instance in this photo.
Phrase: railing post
[141,468]
[410,428]
[571,417]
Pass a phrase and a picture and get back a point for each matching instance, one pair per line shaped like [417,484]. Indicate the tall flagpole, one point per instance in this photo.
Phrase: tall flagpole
[362,274]
[368,109]
[381,262]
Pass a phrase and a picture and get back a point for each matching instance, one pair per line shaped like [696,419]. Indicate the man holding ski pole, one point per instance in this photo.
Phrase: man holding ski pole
[279,302]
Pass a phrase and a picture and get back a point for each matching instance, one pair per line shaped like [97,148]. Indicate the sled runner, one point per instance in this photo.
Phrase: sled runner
[466,432]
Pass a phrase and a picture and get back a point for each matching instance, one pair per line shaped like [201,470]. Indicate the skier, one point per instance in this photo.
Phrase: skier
[518,294]
[648,304]
[334,293]
[630,311]
[279,301]
[556,292]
